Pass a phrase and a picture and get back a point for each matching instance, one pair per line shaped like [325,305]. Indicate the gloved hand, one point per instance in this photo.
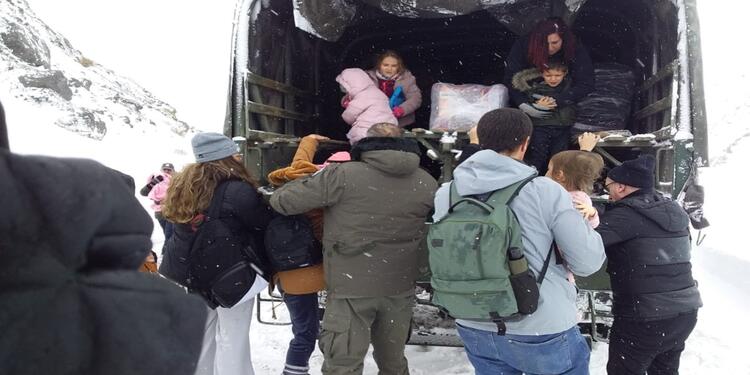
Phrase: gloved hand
[398,112]
[154,181]
[345,101]
[533,111]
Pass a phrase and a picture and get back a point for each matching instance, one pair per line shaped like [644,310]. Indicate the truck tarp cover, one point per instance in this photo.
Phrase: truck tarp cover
[328,19]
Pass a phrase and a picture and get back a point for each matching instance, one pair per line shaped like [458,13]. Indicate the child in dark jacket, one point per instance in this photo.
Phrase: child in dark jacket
[552,121]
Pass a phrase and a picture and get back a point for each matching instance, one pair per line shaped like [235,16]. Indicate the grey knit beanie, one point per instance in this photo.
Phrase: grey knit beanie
[212,146]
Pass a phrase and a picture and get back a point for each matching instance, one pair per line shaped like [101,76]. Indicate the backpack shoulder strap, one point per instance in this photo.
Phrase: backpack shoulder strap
[455,199]
[520,186]
[552,248]
[497,196]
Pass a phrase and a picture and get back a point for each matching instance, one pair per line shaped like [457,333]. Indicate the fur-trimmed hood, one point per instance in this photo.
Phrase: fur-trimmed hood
[396,156]
[521,79]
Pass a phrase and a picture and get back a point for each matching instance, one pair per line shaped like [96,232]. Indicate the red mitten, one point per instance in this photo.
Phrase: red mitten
[398,112]
[345,101]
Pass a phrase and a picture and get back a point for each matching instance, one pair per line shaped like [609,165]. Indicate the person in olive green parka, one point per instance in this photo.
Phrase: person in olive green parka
[375,208]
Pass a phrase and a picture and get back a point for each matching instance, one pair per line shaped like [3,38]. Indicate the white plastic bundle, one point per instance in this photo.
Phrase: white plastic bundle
[459,107]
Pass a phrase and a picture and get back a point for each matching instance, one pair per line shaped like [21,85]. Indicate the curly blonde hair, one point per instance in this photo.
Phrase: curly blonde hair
[191,190]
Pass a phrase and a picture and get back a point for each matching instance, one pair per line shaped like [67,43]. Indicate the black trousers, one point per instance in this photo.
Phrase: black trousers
[637,347]
[546,141]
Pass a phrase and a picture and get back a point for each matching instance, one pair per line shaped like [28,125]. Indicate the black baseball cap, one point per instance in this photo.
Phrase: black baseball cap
[167,166]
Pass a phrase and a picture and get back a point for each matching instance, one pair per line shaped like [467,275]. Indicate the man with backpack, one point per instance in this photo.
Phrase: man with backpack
[517,332]
[374,210]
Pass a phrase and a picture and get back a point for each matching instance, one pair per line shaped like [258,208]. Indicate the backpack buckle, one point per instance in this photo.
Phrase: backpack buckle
[499,322]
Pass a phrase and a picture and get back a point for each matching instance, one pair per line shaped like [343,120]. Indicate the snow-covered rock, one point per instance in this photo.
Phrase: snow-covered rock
[40,66]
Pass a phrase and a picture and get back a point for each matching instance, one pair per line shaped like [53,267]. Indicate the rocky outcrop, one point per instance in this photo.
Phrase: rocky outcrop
[54,80]
[26,45]
[40,66]
[84,122]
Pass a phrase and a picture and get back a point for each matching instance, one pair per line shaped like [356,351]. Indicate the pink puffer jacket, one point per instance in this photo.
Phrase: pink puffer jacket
[412,94]
[367,106]
[159,192]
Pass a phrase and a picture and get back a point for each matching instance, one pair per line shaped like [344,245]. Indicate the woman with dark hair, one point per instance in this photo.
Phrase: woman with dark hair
[189,205]
[398,84]
[552,52]
[550,40]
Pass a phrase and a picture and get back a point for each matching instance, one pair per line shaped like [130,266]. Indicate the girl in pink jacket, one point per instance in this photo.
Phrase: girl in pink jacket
[156,191]
[365,104]
[576,171]
[398,84]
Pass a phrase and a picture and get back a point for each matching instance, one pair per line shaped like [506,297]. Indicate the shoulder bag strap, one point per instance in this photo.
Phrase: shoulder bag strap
[552,248]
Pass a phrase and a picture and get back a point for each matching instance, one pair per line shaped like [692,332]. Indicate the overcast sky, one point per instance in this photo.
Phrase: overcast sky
[177,49]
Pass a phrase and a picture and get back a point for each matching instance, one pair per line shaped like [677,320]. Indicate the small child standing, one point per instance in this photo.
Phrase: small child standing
[552,121]
[365,104]
[576,171]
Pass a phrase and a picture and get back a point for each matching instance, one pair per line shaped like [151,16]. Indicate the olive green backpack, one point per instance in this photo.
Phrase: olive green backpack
[479,271]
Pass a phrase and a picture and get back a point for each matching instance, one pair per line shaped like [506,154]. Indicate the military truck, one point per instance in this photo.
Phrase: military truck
[286,54]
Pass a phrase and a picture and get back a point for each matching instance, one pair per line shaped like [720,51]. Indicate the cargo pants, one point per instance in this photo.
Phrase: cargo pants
[351,324]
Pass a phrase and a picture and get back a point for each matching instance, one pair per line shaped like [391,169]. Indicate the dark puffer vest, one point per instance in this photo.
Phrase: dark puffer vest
[647,241]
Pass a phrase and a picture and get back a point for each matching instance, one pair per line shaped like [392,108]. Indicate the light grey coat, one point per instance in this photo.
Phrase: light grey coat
[545,212]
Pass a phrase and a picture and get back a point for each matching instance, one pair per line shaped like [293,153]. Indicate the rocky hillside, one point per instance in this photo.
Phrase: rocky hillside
[40,66]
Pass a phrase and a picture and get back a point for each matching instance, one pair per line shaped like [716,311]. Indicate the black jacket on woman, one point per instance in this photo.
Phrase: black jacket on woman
[72,236]
[242,209]
[580,70]
[647,241]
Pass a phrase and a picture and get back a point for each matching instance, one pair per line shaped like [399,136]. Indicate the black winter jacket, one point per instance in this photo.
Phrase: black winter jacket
[647,241]
[72,236]
[581,71]
[243,210]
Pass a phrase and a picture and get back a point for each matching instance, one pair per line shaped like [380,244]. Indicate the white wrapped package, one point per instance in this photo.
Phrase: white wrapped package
[459,107]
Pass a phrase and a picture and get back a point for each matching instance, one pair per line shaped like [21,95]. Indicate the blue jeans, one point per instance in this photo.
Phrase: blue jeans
[561,353]
[303,311]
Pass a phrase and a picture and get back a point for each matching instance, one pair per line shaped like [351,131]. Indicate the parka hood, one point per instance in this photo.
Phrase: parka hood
[91,221]
[396,156]
[354,81]
[664,212]
[73,237]
[487,171]
[521,79]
